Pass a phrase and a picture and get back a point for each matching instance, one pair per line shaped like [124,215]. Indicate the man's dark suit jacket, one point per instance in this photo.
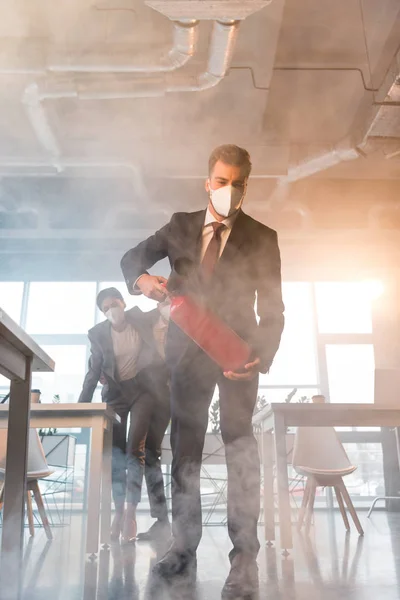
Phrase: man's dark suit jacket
[102,358]
[249,269]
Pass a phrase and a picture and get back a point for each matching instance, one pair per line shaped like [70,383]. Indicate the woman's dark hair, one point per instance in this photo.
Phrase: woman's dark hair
[111,292]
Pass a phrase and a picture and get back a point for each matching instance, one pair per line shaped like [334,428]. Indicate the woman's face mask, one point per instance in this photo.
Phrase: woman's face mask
[227,200]
[116,315]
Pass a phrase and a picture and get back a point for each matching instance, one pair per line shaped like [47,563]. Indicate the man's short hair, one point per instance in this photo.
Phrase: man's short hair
[230,155]
[111,292]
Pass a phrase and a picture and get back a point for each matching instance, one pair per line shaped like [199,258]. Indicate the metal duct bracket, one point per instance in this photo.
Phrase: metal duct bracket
[211,10]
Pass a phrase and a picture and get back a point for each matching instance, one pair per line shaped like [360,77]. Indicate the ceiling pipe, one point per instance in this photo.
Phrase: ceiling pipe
[186,34]
[32,101]
[320,162]
[220,56]
[309,167]
[343,151]
[161,81]
[222,47]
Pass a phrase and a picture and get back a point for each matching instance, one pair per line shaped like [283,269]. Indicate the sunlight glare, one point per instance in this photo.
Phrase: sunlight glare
[374,288]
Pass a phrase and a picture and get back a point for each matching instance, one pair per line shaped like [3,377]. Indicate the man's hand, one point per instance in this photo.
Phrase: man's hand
[251,368]
[152,286]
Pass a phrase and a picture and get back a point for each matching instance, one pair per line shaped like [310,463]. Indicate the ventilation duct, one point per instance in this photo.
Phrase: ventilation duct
[220,57]
[37,117]
[386,124]
[183,49]
[383,123]
[226,15]
[320,163]
[336,156]
[212,10]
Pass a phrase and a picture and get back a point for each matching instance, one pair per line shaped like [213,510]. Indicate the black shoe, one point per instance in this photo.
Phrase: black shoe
[242,581]
[176,563]
[159,531]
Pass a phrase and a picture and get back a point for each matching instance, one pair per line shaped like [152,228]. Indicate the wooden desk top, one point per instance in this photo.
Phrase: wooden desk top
[325,415]
[74,409]
[19,339]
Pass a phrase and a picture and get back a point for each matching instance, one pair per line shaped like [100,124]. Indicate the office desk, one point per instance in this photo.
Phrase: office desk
[99,418]
[19,356]
[276,418]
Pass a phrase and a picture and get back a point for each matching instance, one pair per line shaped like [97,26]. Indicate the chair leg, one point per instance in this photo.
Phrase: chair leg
[342,507]
[352,511]
[304,504]
[29,510]
[310,507]
[39,502]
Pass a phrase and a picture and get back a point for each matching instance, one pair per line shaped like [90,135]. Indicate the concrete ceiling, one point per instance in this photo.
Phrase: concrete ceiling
[302,75]
[307,79]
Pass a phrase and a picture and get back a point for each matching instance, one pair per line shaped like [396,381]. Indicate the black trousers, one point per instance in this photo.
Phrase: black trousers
[145,400]
[193,382]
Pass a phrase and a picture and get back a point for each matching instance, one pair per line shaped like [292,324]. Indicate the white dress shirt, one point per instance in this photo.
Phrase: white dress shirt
[126,344]
[208,232]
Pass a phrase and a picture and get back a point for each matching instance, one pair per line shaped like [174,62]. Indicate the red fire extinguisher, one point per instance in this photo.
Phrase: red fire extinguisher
[217,340]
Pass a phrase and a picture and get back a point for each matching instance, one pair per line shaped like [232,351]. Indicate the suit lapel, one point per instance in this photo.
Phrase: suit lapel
[109,350]
[193,236]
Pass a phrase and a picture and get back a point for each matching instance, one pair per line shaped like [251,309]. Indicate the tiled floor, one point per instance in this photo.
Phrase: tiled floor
[329,566]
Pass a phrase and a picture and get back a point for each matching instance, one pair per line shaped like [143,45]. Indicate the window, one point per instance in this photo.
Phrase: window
[61,308]
[351,372]
[11,299]
[344,307]
[295,361]
[67,379]
[4,386]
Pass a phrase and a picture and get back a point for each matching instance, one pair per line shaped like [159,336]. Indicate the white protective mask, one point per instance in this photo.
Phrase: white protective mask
[116,315]
[226,200]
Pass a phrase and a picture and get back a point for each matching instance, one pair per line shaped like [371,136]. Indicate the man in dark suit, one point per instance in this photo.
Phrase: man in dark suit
[240,263]
[127,355]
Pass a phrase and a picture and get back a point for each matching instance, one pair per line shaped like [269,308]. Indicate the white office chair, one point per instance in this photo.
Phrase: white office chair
[37,468]
[319,455]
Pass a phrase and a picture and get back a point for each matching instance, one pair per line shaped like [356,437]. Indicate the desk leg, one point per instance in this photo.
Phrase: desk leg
[285,520]
[96,458]
[12,541]
[104,593]
[105,533]
[90,584]
[269,508]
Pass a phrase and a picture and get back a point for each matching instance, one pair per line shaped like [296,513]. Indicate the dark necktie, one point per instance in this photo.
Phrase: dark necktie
[213,249]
